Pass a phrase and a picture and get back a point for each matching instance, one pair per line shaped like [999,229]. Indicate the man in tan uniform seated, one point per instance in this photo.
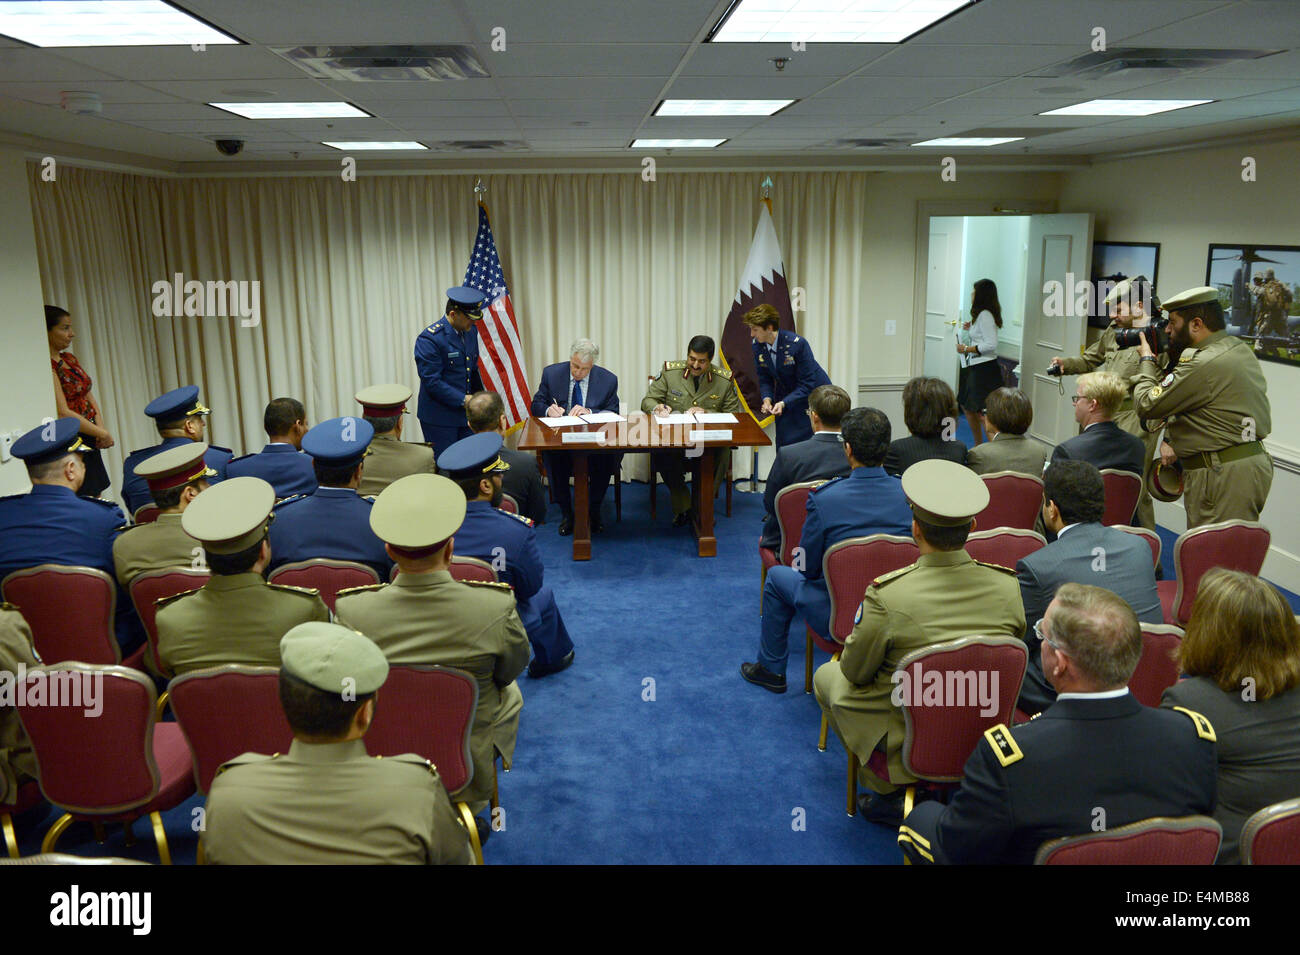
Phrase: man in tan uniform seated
[327,801]
[390,457]
[175,478]
[943,596]
[236,617]
[426,617]
[17,761]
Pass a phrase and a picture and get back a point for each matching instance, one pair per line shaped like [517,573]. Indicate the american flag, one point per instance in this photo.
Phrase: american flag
[501,356]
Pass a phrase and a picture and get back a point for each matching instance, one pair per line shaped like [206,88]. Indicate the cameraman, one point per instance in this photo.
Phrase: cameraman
[1129,302]
[1216,408]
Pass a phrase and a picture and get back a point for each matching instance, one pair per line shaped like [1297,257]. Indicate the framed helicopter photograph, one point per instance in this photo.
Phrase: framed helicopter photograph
[1259,287]
[1115,261]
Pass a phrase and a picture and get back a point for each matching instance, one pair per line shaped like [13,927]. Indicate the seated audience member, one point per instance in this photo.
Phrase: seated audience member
[943,596]
[1102,443]
[281,463]
[867,501]
[328,802]
[236,617]
[1097,748]
[821,457]
[175,477]
[178,415]
[1241,662]
[426,617]
[930,413]
[334,520]
[493,535]
[17,761]
[1007,415]
[485,411]
[1084,552]
[390,457]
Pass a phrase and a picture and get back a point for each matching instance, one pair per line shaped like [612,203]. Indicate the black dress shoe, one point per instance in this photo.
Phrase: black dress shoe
[882,810]
[536,669]
[760,675]
[682,519]
[566,527]
[597,525]
[484,828]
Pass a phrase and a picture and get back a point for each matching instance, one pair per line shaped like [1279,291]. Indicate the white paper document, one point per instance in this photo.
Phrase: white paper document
[602,417]
[710,417]
[674,419]
[709,435]
[563,421]
[583,437]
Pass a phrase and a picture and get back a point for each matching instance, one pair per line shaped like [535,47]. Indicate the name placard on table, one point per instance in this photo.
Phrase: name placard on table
[709,434]
[583,437]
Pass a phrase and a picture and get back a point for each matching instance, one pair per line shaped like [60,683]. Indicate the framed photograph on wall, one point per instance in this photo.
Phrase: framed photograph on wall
[1115,261]
[1259,287]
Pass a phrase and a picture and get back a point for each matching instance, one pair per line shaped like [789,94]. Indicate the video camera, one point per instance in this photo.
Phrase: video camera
[1157,335]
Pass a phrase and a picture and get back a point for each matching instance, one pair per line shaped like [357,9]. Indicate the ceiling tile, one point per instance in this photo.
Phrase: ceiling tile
[587,59]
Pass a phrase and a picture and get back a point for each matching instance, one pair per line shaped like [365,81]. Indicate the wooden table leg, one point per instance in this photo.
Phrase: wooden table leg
[708,544]
[581,517]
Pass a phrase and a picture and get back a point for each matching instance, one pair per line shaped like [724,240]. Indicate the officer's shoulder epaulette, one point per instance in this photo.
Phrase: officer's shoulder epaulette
[1005,570]
[438,325]
[674,364]
[1204,729]
[414,760]
[217,447]
[6,605]
[368,498]
[171,598]
[291,499]
[245,759]
[494,584]
[893,575]
[1187,355]
[361,589]
[102,503]
[827,483]
[723,373]
[1004,745]
[141,451]
[519,517]
[305,591]
[243,456]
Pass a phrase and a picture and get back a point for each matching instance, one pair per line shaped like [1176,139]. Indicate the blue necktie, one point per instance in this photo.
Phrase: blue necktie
[576,397]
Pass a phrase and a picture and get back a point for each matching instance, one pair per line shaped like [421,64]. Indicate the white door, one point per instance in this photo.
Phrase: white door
[943,298]
[1060,250]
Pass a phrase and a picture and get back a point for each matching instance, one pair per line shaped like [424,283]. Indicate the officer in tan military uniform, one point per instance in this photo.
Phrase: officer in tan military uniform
[943,596]
[692,386]
[1216,412]
[390,457]
[236,617]
[175,478]
[326,801]
[1129,302]
[17,761]
[426,617]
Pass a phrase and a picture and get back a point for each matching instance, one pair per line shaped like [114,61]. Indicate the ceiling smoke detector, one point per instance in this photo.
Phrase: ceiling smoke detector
[83,104]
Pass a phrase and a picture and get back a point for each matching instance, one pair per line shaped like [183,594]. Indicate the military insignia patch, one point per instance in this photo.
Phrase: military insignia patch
[1004,747]
[1157,391]
[1203,727]
[857,618]
[1167,380]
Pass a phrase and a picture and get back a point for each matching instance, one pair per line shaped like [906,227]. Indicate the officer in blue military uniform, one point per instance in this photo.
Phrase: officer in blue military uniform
[446,356]
[281,462]
[787,374]
[334,520]
[50,524]
[509,543]
[179,417]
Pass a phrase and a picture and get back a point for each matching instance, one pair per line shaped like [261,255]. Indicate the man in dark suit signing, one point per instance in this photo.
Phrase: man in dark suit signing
[1097,760]
[819,458]
[486,411]
[578,386]
[1084,552]
[1103,443]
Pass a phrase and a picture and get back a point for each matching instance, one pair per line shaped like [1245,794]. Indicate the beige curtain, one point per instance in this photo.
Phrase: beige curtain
[351,272]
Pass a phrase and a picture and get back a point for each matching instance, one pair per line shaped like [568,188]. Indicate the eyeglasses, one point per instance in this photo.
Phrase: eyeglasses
[1075,399]
[1038,632]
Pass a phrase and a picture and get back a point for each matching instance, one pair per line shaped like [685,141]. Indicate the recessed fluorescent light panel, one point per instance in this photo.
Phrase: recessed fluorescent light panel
[375,145]
[292,110]
[971,141]
[1125,107]
[721,107]
[676,143]
[830,21]
[105,23]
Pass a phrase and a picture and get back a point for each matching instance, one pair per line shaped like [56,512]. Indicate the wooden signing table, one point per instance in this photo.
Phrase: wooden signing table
[639,434]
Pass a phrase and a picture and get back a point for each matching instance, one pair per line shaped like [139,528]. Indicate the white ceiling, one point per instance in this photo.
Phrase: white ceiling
[580,79]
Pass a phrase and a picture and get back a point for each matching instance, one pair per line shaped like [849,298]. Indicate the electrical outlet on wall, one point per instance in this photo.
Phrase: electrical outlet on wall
[7,439]
[891,327]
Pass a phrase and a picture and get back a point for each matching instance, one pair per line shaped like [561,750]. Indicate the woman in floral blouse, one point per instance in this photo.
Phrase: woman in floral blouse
[72,393]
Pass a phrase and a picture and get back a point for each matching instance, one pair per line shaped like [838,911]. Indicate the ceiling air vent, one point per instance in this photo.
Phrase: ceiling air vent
[385,64]
[481,145]
[1151,62]
[866,143]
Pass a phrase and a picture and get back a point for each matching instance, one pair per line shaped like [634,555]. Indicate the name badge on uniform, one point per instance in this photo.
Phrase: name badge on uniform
[453,354]
[674,392]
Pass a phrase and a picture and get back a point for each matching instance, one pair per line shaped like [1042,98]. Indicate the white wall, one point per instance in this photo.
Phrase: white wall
[1185,201]
[26,384]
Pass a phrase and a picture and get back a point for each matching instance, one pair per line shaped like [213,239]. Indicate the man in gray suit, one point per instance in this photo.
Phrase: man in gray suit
[819,458]
[1084,552]
[1007,416]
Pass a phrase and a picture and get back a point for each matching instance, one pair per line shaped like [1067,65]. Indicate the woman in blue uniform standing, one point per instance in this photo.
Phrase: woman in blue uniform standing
[787,374]
[977,344]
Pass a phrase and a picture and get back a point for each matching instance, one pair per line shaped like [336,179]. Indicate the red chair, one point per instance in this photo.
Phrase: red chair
[155,585]
[1122,491]
[850,566]
[1157,669]
[326,575]
[1191,840]
[1272,835]
[1150,536]
[1015,500]
[791,507]
[70,610]
[113,766]
[227,711]
[1237,545]
[429,711]
[939,739]
[1004,546]
[471,568]
[509,504]
[27,797]
[146,514]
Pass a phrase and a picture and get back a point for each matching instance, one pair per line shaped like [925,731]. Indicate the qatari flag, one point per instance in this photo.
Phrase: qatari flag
[762,282]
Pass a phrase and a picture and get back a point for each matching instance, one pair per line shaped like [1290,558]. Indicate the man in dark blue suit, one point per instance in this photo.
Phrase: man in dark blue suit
[334,520]
[819,458]
[507,542]
[281,463]
[1084,552]
[787,374]
[578,386]
[1103,443]
[1098,759]
[446,357]
[50,524]
[868,501]
[178,415]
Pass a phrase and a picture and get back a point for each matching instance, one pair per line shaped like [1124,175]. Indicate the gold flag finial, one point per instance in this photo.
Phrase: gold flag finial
[479,188]
[765,188]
